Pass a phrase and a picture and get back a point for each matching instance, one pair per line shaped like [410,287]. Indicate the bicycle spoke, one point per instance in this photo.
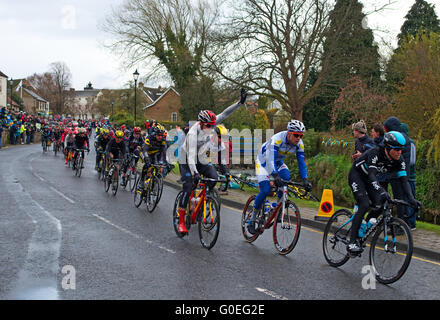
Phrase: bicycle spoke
[336,234]
[391,251]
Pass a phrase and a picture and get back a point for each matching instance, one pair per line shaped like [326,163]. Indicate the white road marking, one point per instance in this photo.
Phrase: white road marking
[62,195]
[134,235]
[38,277]
[271,294]
[42,179]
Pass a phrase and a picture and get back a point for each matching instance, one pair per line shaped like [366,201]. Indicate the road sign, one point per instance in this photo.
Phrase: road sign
[326,208]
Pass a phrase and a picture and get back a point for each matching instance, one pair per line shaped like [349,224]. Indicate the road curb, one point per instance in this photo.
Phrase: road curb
[425,253]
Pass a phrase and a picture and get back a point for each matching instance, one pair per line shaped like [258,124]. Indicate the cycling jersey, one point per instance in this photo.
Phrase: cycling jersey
[154,150]
[374,161]
[81,141]
[117,149]
[198,142]
[273,152]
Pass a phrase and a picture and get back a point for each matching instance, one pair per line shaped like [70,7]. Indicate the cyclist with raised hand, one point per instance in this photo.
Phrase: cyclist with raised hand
[270,162]
[81,142]
[153,150]
[386,157]
[198,142]
[117,148]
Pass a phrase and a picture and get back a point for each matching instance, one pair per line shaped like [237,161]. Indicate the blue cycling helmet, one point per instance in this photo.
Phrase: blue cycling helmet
[394,140]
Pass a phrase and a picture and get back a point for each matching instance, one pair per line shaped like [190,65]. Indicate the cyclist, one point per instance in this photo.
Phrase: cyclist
[81,142]
[101,145]
[69,140]
[197,142]
[153,150]
[135,142]
[270,162]
[117,148]
[362,179]
[45,135]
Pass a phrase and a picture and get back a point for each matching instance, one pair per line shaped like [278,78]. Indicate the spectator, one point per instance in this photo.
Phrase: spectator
[12,133]
[393,124]
[377,133]
[22,133]
[1,132]
[363,141]
[411,175]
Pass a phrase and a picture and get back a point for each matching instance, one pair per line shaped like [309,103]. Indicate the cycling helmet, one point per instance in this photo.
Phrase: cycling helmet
[119,134]
[296,126]
[104,132]
[207,116]
[394,140]
[221,130]
[137,130]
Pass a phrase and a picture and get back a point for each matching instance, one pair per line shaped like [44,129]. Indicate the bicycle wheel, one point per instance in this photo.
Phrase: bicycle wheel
[245,216]
[286,228]
[115,181]
[79,167]
[138,194]
[107,180]
[132,181]
[336,237]
[160,181]
[209,225]
[153,194]
[391,253]
[176,216]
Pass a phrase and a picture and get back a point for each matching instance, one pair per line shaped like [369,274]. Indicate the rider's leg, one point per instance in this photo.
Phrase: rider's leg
[358,187]
[284,173]
[208,171]
[187,187]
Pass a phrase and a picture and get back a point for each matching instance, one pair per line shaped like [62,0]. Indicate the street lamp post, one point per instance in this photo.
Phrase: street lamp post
[135,77]
[11,82]
[113,102]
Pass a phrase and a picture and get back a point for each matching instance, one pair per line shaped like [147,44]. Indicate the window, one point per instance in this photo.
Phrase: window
[174,117]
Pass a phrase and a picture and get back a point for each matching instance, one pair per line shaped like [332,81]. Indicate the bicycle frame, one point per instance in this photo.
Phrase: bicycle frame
[202,196]
[384,217]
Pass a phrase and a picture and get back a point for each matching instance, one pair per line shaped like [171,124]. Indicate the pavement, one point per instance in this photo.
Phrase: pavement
[426,243]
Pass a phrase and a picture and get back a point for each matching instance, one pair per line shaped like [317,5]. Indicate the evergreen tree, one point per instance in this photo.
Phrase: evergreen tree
[421,16]
[354,53]
[420,20]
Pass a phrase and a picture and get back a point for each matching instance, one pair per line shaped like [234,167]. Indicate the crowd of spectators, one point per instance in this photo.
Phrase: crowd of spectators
[18,127]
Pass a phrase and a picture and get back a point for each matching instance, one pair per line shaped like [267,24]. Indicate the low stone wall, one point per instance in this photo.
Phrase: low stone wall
[7,142]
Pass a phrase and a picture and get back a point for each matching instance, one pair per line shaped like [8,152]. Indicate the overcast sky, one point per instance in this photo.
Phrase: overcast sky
[35,33]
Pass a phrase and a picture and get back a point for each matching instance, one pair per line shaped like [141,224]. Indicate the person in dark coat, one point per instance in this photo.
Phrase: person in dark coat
[394,124]
[363,141]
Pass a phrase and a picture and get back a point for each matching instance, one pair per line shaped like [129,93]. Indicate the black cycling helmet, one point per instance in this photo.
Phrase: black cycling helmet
[394,140]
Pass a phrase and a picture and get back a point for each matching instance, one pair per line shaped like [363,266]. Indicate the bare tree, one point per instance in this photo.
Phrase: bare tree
[62,78]
[270,47]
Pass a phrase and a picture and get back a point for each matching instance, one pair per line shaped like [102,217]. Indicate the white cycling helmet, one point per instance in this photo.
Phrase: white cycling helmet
[296,126]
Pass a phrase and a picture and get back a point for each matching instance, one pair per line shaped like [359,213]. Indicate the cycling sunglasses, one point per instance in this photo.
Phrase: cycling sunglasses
[208,125]
[296,135]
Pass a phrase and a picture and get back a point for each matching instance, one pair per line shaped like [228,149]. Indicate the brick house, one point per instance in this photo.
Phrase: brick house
[162,104]
[32,102]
